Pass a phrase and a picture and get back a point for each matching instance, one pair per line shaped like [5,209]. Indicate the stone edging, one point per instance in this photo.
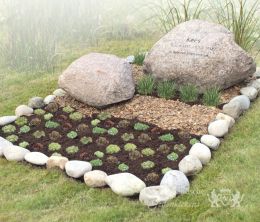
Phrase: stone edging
[174,182]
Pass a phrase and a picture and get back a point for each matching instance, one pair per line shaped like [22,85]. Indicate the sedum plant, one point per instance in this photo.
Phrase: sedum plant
[165,170]
[72,149]
[86,140]
[54,136]
[24,144]
[180,147]
[112,131]
[153,177]
[39,134]
[147,165]
[141,127]
[173,156]
[145,86]
[123,167]
[72,135]
[96,163]
[95,122]
[194,141]
[189,93]
[129,147]
[9,129]
[135,155]
[144,138]
[48,116]
[166,89]
[99,130]
[139,58]
[148,152]
[25,129]
[167,137]
[127,137]
[123,124]
[102,141]
[54,147]
[52,107]
[112,160]
[82,128]
[51,124]
[99,154]
[76,116]
[12,138]
[211,97]
[164,149]
[111,149]
[104,116]
[39,112]
[35,122]
[21,121]
[68,109]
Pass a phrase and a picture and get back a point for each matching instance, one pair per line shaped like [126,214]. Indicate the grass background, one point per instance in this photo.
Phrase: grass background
[33,194]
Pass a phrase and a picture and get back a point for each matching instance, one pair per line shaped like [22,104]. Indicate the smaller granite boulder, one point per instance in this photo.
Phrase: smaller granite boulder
[23,110]
[250,92]
[218,128]
[77,169]
[243,100]
[49,99]
[4,143]
[59,93]
[15,153]
[36,158]
[210,141]
[57,161]
[95,178]
[125,184]
[176,180]
[156,195]
[190,165]
[36,103]
[202,152]
[233,109]
[4,120]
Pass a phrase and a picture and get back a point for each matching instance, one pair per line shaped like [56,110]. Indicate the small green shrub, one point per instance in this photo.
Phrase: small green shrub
[189,93]
[104,116]
[144,138]
[127,137]
[82,128]
[96,163]
[211,97]
[139,58]
[102,141]
[39,112]
[39,134]
[68,109]
[123,124]
[123,167]
[51,124]
[72,135]
[21,121]
[72,149]
[99,154]
[99,130]
[135,155]
[12,138]
[54,135]
[166,89]
[147,165]
[48,116]
[112,131]
[180,147]
[165,170]
[53,147]
[141,127]
[167,137]
[25,129]
[111,149]
[76,116]
[95,122]
[164,149]
[86,140]
[24,144]
[9,129]
[148,152]
[35,122]
[129,147]
[172,156]
[145,86]
[194,141]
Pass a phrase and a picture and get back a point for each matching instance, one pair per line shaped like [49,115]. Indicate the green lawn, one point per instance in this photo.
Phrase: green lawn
[33,194]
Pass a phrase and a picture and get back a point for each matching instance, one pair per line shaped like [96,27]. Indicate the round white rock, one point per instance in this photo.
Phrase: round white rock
[23,110]
[218,128]
[49,99]
[36,158]
[4,143]
[95,178]
[202,152]
[190,165]
[15,153]
[210,141]
[77,169]
[4,120]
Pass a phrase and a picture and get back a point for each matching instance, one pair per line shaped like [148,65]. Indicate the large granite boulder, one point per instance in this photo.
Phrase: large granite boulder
[99,80]
[199,53]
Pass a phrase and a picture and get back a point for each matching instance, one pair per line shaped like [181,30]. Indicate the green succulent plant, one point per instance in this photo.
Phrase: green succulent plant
[21,121]
[96,163]
[147,165]
[9,129]
[39,134]
[102,141]
[112,131]
[129,147]
[54,135]
[76,116]
[35,122]
[72,149]
[127,137]
[123,167]
[180,147]
[39,112]
[144,138]
[104,116]
[98,130]
[194,141]
[72,135]
[123,124]
[52,107]
[68,109]
[111,149]
[112,160]
[153,177]
[51,124]
[164,148]
[12,138]
[82,128]
[86,140]
[167,137]
[148,152]
[165,170]
[54,147]
[25,129]
[24,144]
[48,116]
[135,155]
[141,127]
[99,154]
[173,156]
[95,122]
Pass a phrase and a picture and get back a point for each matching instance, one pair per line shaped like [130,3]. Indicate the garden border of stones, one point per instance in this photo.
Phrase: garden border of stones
[174,182]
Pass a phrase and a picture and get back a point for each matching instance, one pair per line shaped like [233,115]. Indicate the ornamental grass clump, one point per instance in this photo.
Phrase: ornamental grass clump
[141,127]
[96,163]
[129,147]
[139,58]
[148,165]
[72,149]
[211,97]
[76,116]
[112,149]
[9,129]
[123,167]
[167,137]
[25,129]
[112,131]
[148,152]
[166,89]
[145,86]
[72,135]
[21,121]
[51,124]
[189,93]
[86,140]
[39,134]
[12,138]
[53,147]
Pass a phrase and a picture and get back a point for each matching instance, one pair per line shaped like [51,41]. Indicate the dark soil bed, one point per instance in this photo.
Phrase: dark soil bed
[180,145]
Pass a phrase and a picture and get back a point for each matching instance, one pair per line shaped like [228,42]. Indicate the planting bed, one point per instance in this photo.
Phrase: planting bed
[146,151]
